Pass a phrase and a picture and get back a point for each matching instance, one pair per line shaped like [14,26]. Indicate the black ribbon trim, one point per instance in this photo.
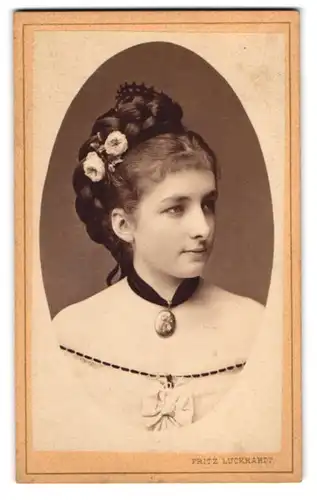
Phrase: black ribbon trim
[185,290]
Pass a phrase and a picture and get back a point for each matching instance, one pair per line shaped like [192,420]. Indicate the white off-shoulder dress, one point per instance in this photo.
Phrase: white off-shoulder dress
[123,388]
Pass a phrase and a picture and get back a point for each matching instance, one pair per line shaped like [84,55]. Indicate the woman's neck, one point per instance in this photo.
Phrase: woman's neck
[164,285]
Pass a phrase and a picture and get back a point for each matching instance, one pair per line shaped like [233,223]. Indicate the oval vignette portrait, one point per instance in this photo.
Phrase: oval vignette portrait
[73,266]
[156,239]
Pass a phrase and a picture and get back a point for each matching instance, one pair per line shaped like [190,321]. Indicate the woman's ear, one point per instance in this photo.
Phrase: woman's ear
[122,225]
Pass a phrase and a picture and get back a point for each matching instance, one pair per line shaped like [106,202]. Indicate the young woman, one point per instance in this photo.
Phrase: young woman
[160,346]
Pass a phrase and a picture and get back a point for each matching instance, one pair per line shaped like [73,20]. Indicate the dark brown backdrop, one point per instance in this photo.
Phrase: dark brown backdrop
[73,266]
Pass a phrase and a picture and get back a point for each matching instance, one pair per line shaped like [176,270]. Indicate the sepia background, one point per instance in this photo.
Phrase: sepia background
[253,64]
[243,252]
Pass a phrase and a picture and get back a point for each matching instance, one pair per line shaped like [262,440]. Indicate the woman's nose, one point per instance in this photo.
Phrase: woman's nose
[200,225]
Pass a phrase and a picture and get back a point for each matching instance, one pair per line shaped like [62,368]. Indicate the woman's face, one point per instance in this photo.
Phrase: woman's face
[174,224]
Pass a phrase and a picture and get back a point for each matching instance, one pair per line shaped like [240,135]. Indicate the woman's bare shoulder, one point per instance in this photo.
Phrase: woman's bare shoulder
[230,302]
[237,318]
[238,303]
[76,322]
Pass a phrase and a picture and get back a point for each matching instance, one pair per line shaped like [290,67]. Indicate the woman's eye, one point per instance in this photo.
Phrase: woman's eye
[209,206]
[176,210]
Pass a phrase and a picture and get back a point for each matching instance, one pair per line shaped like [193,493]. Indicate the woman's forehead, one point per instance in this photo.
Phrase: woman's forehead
[185,183]
[190,181]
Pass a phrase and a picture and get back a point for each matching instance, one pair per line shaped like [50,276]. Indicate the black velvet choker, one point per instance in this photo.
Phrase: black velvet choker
[165,323]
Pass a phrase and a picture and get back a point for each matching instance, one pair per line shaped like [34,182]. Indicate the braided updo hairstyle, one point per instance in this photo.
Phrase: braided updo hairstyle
[156,143]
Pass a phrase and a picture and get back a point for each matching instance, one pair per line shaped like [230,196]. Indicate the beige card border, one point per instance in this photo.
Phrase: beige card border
[41,467]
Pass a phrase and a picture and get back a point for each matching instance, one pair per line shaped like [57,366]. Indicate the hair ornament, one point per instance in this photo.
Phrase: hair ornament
[116,145]
[94,167]
[109,153]
[127,91]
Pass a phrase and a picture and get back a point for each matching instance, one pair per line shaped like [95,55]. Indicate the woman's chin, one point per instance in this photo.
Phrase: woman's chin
[195,269]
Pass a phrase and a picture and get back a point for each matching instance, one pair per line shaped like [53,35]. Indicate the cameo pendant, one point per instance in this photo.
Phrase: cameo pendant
[165,323]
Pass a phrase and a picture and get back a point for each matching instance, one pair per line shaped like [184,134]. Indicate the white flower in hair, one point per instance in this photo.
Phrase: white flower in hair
[94,167]
[116,144]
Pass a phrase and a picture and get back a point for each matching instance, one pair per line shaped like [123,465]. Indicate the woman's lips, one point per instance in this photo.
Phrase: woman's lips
[197,250]
[198,253]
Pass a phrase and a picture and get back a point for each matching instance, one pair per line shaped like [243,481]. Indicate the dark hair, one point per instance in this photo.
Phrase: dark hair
[158,143]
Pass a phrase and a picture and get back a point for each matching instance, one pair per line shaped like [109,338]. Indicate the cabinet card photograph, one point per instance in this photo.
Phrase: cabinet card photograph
[157,255]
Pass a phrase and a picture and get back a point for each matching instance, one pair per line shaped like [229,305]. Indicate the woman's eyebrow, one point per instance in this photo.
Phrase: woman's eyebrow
[177,198]
[211,194]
